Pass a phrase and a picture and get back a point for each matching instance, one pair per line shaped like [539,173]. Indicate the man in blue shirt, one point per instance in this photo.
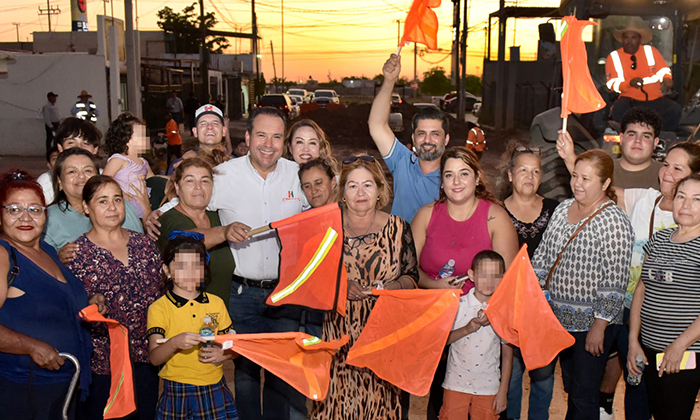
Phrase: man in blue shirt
[416,178]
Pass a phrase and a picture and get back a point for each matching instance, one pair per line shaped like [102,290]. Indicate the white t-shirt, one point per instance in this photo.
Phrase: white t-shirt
[473,364]
[639,204]
[46,182]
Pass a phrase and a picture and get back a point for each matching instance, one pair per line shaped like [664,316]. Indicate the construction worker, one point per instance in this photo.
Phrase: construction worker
[85,109]
[638,75]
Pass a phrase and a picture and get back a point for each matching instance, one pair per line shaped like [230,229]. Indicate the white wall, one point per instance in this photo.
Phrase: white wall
[23,93]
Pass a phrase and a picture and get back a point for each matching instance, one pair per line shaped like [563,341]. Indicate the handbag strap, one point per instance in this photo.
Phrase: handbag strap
[653,211]
[12,275]
[580,228]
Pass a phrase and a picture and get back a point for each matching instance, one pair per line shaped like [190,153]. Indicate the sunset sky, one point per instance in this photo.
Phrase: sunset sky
[338,37]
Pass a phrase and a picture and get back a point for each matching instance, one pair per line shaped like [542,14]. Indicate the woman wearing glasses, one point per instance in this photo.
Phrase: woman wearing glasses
[124,266]
[378,252]
[530,213]
[39,303]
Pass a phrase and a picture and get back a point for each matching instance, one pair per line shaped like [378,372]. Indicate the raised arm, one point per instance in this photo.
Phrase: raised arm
[379,115]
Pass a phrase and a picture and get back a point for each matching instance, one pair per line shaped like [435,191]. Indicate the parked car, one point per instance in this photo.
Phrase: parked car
[449,102]
[396,99]
[423,105]
[296,106]
[303,93]
[325,96]
[396,121]
[280,101]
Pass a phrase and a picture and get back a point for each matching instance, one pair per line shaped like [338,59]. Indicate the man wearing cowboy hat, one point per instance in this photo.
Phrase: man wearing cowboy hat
[85,109]
[638,74]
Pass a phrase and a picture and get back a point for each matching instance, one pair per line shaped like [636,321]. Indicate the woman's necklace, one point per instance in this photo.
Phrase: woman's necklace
[352,231]
[469,215]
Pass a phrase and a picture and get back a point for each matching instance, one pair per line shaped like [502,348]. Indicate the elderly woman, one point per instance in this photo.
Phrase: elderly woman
[193,182]
[530,213]
[378,249]
[39,303]
[318,182]
[666,310]
[305,141]
[585,257]
[66,217]
[124,266]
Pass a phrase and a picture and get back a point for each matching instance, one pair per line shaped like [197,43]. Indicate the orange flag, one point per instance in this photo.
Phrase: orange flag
[520,314]
[405,335]
[421,24]
[121,400]
[301,360]
[311,272]
[579,92]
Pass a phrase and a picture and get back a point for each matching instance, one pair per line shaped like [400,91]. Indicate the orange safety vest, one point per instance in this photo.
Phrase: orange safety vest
[476,140]
[651,68]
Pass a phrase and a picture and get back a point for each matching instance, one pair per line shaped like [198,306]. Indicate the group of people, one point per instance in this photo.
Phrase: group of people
[83,109]
[617,263]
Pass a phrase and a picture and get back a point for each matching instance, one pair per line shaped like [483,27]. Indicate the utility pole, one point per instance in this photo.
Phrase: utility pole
[501,69]
[254,49]
[454,76]
[273,57]
[50,10]
[132,61]
[274,69]
[463,80]
[203,56]
[415,68]
[17,28]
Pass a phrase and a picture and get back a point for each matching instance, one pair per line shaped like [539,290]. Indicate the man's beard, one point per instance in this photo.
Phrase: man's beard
[429,156]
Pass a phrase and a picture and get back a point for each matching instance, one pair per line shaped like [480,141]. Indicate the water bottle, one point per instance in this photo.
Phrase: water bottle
[447,270]
[207,331]
[633,379]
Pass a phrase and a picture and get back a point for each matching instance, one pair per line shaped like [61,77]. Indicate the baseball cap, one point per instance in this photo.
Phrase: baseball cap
[50,94]
[208,109]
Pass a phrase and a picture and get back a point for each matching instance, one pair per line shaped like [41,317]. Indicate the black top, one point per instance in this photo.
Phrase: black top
[531,233]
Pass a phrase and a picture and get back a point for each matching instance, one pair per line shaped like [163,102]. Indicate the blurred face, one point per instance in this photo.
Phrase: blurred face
[195,187]
[637,143]
[266,142]
[631,41]
[210,130]
[84,98]
[686,204]
[52,99]
[430,139]
[675,168]
[459,181]
[486,277]
[526,174]
[77,141]
[318,188]
[139,140]
[106,209]
[241,149]
[76,171]
[186,270]
[587,186]
[361,191]
[24,227]
[52,159]
[305,145]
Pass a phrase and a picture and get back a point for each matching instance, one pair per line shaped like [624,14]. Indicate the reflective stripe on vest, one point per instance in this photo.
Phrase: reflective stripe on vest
[614,83]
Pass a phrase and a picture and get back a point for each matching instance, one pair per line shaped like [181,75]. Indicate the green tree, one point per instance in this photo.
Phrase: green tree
[435,82]
[185,27]
[473,84]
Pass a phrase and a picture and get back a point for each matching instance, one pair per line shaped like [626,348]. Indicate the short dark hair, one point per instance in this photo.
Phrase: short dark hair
[75,127]
[431,113]
[488,255]
[184,244]
[59,194]
[52,150]
[319,163]
[95,183]
[120,132]
[642,115]
[693,151]
[266,110]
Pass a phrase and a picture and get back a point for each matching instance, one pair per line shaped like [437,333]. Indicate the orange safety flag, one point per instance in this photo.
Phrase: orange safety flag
[520,314]
[421,24]
[579,92]
[405,336]
[301,360]
[311,270]
[121,400]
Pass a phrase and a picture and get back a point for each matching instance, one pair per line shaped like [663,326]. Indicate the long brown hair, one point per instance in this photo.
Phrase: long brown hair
[604,168]
[323,144]
[482,190]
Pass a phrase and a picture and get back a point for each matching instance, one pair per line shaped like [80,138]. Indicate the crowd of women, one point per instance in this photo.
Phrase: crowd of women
[87,246]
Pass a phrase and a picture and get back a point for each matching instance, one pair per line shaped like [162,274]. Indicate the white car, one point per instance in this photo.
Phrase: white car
[325,96]
[296,106]
[303,93]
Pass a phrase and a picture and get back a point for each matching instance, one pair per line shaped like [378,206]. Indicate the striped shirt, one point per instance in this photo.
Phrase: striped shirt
[671,276]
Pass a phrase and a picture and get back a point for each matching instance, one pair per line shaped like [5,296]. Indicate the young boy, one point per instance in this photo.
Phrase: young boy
[474,385]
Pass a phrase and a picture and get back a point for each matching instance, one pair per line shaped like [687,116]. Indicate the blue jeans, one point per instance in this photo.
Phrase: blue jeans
[636,398]
[541,389]
[582,374]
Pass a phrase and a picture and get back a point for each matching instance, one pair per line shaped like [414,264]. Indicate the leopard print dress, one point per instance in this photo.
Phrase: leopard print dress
[357,393]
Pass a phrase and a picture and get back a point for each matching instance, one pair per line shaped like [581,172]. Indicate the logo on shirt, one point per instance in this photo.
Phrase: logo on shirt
[290,197]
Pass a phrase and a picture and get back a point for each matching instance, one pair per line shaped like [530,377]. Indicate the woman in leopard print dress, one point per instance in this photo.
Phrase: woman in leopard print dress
[378,250]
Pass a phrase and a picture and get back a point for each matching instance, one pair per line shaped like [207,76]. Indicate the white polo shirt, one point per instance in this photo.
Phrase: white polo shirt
[242,195]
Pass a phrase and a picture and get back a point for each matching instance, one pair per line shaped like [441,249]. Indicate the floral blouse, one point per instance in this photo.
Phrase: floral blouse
[128,289]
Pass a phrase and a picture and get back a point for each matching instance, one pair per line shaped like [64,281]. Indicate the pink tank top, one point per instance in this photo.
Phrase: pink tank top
[447,239]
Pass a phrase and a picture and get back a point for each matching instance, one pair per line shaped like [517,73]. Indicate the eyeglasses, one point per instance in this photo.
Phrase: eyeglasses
[354,243]
[522,149]
[350,159]
[15,211]
[634,62]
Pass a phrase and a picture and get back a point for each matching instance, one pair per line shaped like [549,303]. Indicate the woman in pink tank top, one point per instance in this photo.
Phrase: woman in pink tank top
[461,223]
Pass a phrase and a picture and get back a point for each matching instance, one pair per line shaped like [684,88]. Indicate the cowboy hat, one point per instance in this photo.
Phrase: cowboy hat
[84,93]
[632,26]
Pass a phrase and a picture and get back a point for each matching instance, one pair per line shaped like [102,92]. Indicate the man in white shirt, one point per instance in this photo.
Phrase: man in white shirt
[175,107]
[51,118]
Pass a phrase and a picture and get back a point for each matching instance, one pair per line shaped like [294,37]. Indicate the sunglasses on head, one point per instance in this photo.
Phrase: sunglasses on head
[522,149]
[350,159]
[634,62]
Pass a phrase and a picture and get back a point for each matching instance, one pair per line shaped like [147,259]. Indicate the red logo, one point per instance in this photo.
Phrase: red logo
[82,5]
[209,108]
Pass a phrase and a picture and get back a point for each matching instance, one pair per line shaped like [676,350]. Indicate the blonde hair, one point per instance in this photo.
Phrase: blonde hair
[377,174]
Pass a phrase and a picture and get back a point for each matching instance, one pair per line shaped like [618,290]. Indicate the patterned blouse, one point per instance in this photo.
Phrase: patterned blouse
[589,282]
[129,291]
[531,233]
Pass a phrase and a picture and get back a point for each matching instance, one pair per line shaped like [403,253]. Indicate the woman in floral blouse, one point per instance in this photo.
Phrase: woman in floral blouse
[125,266]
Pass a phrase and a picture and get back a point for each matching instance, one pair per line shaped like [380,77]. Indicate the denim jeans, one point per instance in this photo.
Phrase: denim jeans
[636,398]
[541,389]
[582,374]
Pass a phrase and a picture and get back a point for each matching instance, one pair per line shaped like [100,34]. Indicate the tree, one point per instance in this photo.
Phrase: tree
[185,27]
[473,84]
[435,82]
